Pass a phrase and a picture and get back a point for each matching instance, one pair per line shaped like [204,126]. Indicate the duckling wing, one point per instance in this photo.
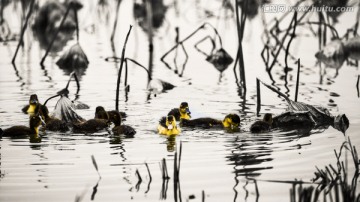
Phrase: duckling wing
[25,108]
[16,131]
[126,130]
[201,122]
[175,112]
[162,122]
[54,124]
[91,126]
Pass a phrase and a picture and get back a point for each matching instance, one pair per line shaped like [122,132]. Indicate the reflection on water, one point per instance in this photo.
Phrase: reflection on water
[47,22]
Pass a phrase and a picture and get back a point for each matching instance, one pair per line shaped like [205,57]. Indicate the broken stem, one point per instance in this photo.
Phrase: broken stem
[258,97]
[120,69]
[297,80]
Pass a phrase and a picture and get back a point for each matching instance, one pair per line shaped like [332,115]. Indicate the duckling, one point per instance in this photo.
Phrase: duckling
[231,121]
[52,123]
[167,126]
[262,126]
[182,112]
[120,129]
[100,113]
[115,117]
[33,105]
[19,131]
[90,126]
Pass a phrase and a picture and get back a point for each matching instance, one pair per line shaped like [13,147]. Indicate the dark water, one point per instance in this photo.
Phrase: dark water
[226,166]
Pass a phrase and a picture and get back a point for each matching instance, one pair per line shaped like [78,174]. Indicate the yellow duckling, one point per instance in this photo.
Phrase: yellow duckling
[262,126]
[182,112]
[33,106]
[167,126]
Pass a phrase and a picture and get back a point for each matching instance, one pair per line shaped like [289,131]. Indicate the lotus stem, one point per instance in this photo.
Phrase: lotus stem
[23,29]
[120,69]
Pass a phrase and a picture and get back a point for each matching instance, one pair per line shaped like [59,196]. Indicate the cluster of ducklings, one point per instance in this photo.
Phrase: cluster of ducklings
[167,125]
[39,115]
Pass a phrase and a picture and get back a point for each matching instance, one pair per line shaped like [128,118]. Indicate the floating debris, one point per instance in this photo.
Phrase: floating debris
[74,59]
[159,86]
[320,115]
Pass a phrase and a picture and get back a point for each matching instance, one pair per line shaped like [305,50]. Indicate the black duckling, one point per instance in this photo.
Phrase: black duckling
[52,123]
[100,113]
[182,112]
[33,105]
[120,129]
[20,131]
[262,126]
[115,117]
[167,126]
[91,126]
[231,121]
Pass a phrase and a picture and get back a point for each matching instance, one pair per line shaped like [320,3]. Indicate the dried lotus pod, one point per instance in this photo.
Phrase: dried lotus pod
[220,59]
[73,58]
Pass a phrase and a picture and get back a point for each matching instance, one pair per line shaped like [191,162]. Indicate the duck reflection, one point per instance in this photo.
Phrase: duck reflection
[171,143]
[332,55]
[248,154]
[251,153]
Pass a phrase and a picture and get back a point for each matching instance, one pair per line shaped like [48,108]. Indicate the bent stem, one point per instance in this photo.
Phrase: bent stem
[180,43]
[23,30]
[120,69]
[51,98]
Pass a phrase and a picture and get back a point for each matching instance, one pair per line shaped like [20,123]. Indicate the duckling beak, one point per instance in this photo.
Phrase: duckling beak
[33,101]
[188,111]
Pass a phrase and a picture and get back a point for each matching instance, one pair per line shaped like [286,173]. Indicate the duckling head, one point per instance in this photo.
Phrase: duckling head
[100,113]
[341,122]
[33,99]
[231,121]
[33,103]
[184,111]
[268,118]
[115,117]
[35,122]
[170,122]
